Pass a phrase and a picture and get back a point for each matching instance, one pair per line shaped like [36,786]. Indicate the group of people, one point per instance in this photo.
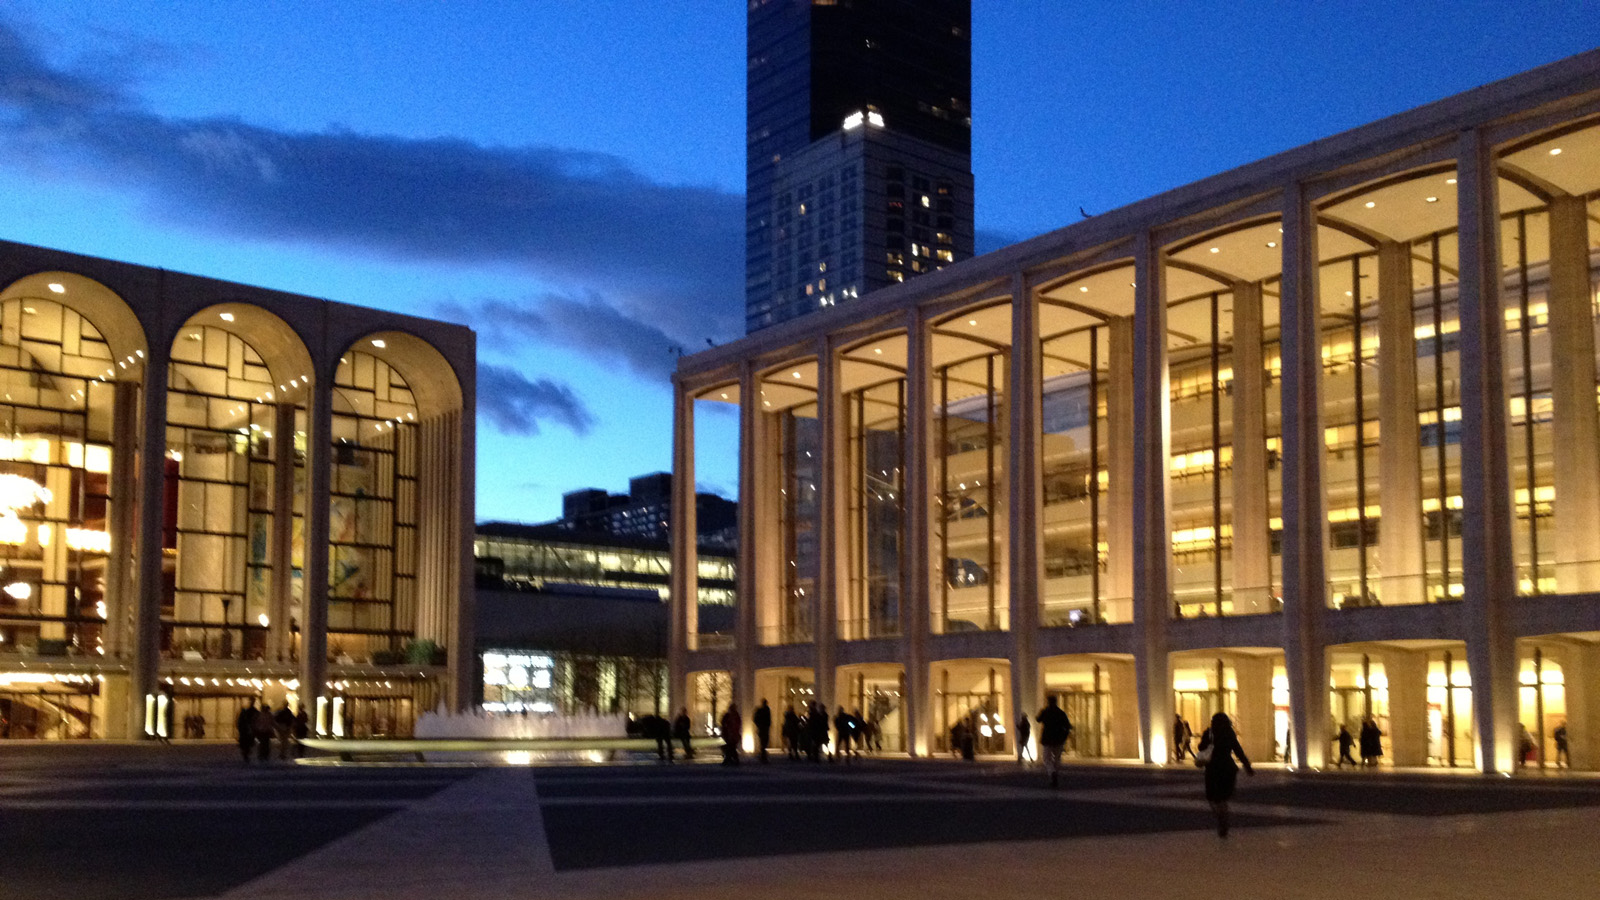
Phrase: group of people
[257,727]
[807,734]
[665,733]
[1370,742]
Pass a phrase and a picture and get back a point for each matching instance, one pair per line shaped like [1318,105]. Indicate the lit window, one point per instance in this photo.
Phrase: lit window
[925,203]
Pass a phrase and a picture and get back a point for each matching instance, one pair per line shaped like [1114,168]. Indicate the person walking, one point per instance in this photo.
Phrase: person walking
[817,730]
[790,732]
[283,724]
[1525,752]
[302,730]
[680,730]
[1024,732]
[245,725]
[264,727]
[1054,729]
[732,732]
[1218,746]
[1182,738]
[843,738]
[1346,741]
[1563,756]
[1371,742]
[762,719]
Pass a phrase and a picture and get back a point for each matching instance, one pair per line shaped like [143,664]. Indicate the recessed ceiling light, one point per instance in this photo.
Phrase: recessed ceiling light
[56,288]
[226,317]
[1216,249]
[878,350]
[724,395]
[379,343]
[1433,199]
[797,374]
[1371,203]
[1272,243]
[1449,181]
[972,321]
[1084,289]
[1555,151]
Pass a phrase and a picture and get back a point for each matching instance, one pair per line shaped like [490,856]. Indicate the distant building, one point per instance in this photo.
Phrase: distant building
[858,149]
[573,621]
[645,512]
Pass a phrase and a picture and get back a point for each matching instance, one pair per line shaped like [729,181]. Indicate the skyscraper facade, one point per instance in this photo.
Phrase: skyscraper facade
[858,149]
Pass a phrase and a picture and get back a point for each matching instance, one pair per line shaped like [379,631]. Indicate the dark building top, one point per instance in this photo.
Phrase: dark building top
[905,65]
[645,512]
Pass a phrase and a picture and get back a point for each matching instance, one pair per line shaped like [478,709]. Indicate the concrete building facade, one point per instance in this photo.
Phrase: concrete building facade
[1307,442]
[216,492]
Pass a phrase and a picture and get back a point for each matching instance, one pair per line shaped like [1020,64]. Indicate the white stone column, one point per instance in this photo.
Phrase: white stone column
[1575,428]
[1122,683]
[1252,512]
[314,601]
[1152,507]
[1407,673]
[1488,569]
[1119,466]
[152,510]
[122,600]
[684,589]
[751,514]
[918,575]
[1304,506]
[1400,536]
[1253,675]
[831,511]
[279,638]
[1025,496]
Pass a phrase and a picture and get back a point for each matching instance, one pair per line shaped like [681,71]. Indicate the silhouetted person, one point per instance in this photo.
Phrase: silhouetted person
[680,730]
[302,730]
[1218,746]
[843,739]
[1371,742]
[1054,729]
[791,733]
[1563,756]
[265,727]
[245,725]
[283,724]
[732,731]
[1346,741]
[1524,746]
[817,731]
[1182,738]
[1024,732]
[762,719]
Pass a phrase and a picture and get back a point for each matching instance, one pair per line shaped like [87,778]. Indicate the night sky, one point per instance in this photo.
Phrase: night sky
[566,176]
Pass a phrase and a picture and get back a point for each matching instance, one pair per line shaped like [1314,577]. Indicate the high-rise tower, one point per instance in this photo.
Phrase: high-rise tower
[858,148]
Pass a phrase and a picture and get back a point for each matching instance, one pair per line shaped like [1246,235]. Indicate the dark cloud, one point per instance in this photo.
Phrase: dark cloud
[668,258]
[520,405]
[588,324]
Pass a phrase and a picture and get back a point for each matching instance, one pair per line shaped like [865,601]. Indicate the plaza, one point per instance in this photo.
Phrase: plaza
[191,822]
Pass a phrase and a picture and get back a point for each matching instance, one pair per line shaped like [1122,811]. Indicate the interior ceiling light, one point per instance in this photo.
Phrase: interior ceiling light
[878,350]
[1371,203]
[1272,243]
[1216,249]
[226,317]
[797,374]
[724,395]
[378,342]
[1555,151]
[972,322]
[56,288]
[1449,181]
[1084,289]
[1433,199]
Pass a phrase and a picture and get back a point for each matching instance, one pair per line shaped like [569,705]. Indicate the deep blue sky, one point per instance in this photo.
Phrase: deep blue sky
[566,175]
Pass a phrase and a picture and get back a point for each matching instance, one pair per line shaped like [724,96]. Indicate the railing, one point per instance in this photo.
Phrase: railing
[867,629]
[784,635]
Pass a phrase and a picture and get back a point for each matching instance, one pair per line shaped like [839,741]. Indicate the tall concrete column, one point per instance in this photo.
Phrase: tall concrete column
[1488,568]
[1304,505]
[280,638]
[1152,507]
[1252,511]
[314,602]
[918,568]
[1122,684]
[122,600]
[1580,667]
[1119,467]
[683,592]
[1407,673]
[146,650]
[1400,536]
[1576,428]
[1253,675]
[751,514]
[1025,496]
[831,512]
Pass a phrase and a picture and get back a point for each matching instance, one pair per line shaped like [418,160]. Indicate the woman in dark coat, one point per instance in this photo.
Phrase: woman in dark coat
[1221,771]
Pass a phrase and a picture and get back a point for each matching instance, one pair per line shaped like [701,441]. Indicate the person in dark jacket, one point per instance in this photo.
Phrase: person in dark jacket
[680,730]
[762,719]
[1222,774]
[791,733]
[245,726]
[1024,732]
[302,730]
[732,733]
[284,722]
[1054,729]
[265,727]
[1371,742]
[1346,741]
[817,732]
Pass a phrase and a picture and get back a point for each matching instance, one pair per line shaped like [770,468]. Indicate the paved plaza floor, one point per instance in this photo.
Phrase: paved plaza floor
[144,823]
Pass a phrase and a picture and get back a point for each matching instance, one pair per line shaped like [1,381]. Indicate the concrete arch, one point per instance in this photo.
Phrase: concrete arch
[280,346]
[102,307]
[432,378]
